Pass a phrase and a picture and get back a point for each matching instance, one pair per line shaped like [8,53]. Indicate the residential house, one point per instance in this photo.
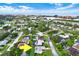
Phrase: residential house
[4,42]
[76,46]
[63,37]
[26,39]
[39,49]
[39,42]
[40,34]
[74,50]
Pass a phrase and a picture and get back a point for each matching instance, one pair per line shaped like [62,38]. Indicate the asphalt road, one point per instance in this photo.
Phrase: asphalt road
[52,48]
[15,41]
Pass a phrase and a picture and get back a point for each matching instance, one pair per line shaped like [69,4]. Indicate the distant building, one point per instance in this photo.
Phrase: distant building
[33,17]
[51,17]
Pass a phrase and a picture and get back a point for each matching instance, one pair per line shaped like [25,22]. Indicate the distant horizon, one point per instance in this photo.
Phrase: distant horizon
[36,15]
[60,9]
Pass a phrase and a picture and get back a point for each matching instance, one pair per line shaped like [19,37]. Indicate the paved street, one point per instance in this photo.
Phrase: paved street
[15,41]
[24,54]
[52,48]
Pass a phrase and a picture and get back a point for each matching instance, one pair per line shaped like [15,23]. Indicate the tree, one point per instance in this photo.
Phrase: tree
[13,35]
[59,47]
[1,22]
[4,35]
[55,39]
[6,27]
[64,53]
[69,42]
[42,26]
[55,15]
[15,51]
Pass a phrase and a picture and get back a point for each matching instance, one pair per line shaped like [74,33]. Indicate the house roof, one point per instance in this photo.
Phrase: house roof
[3,42]
[64,36]
[60,39]
[39,42]
[76,46]
[25,38]
[77,41]
[39,49]
[40,33]
[73,51]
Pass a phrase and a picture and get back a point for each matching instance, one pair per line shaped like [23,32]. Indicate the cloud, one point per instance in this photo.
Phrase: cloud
[25,10]
[4,9]
[25,7]
[58,4]
[67,7]
[13,10]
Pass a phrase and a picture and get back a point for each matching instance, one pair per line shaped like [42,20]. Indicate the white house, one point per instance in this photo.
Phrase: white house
[64,36]
[39,42]
[4,42]
[51,18]
[40,34]
[39,49]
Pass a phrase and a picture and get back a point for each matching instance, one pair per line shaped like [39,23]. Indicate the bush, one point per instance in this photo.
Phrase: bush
[13,35]
[6,27]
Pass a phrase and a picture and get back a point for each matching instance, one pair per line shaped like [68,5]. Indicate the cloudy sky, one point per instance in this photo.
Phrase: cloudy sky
[71,9]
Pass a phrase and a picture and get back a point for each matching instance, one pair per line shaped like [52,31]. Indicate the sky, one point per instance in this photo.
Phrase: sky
[61,9]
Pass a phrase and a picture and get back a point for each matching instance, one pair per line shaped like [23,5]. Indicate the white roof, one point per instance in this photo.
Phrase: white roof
[64,36]
[39,42]
[29,28]
[3,42]
[39,49]
[40,33]
[18,28]
[7,25]
[27,37]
